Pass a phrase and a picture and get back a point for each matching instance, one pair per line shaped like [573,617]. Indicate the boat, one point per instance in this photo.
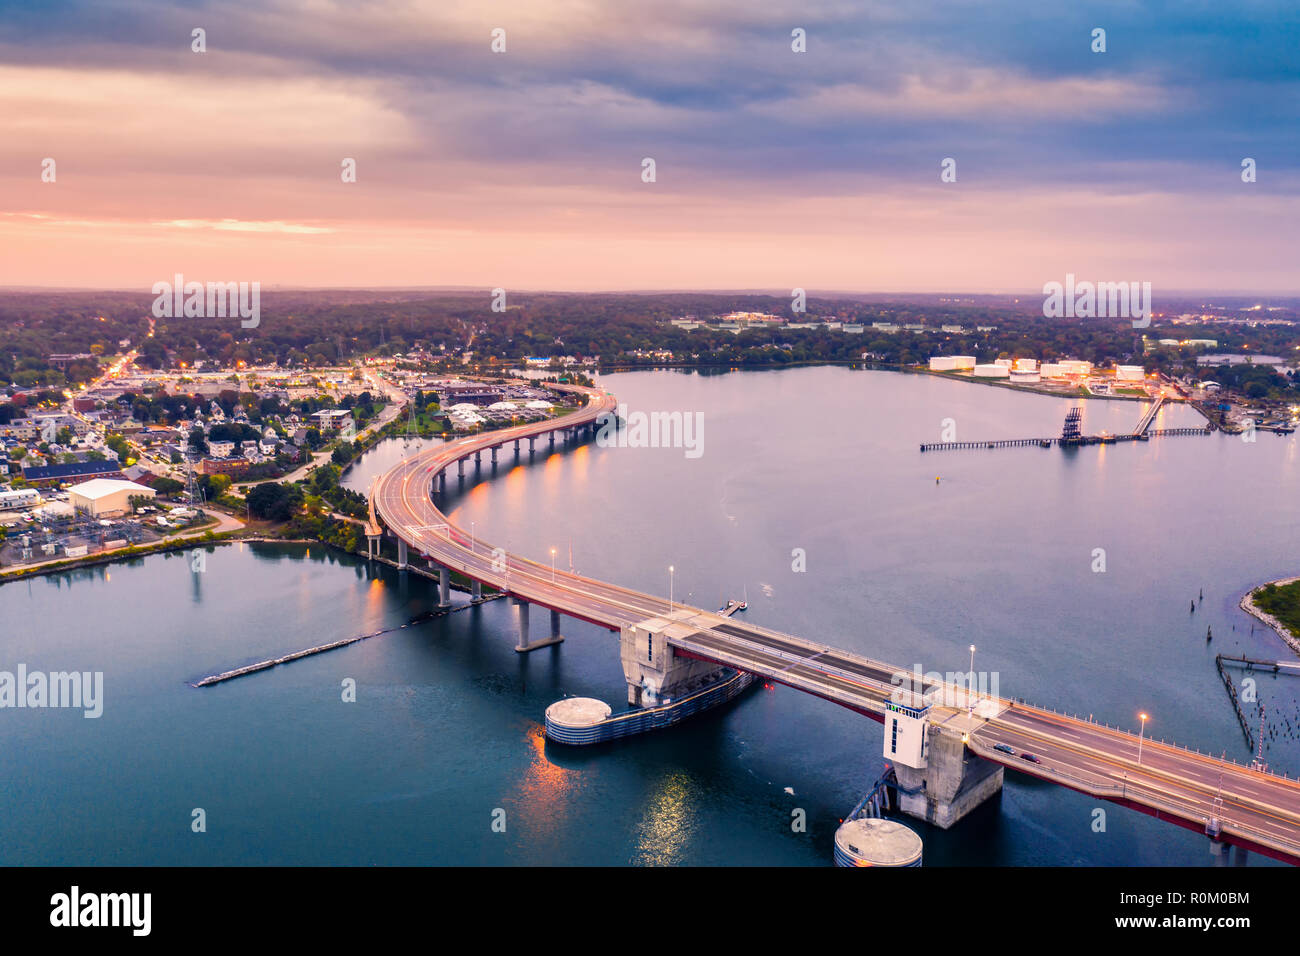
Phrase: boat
[745,603]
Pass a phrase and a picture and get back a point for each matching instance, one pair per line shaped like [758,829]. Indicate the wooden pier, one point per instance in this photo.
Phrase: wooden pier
[1236,703]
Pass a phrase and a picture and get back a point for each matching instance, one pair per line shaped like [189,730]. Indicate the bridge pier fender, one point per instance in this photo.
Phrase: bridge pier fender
[940,779]
[655,674]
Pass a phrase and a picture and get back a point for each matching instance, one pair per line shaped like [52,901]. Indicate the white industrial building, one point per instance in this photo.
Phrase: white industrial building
[1129,373]
[22,498]
[101,497]
[952,363]
[992,371]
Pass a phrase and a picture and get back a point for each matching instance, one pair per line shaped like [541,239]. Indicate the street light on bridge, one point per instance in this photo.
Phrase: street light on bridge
[670,589]
[970,693]
[1143,718]
[552,565]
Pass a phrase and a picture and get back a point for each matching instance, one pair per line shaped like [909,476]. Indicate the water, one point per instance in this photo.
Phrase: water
[446,727]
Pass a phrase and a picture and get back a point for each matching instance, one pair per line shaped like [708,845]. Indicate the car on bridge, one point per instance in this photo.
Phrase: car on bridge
[1005,749]
[1030,757]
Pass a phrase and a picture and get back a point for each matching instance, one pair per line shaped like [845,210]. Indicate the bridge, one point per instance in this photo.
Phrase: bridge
[948,761]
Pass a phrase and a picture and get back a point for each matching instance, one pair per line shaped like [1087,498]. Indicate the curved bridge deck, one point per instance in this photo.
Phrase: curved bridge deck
[1255,809]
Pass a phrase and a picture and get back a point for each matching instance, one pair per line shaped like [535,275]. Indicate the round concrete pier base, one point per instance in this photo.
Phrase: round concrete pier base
[870,841]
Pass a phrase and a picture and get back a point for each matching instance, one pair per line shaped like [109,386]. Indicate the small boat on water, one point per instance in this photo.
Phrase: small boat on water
[745,603]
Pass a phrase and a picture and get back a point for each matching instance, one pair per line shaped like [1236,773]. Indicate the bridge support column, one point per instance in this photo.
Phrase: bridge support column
[524,646]
[521,611]
[401,554]
[478,458]
[373,544]
[442,482]
[532,444]
[476,591]
[495,448]
[654,673]
[460,468]
[444,587]
[952,782]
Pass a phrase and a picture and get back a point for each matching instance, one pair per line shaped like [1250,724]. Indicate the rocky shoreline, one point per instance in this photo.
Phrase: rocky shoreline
[1248,605]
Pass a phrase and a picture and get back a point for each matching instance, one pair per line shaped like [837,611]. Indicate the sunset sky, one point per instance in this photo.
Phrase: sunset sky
[775,169]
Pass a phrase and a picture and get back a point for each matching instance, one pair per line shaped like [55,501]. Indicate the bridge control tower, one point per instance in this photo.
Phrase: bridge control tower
[939,779]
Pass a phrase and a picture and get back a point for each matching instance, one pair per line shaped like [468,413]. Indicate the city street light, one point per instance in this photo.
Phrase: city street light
[552,565]
[670,589]
[1143,717]
[471,536]
[970,693]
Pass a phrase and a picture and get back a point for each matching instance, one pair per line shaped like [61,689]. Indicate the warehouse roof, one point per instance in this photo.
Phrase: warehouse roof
[98,488]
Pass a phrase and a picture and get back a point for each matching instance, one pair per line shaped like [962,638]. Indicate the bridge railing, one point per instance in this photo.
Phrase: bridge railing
[1109,790]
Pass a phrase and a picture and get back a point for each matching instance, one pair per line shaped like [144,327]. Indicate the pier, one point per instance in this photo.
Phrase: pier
[1236,701]
[1071,436]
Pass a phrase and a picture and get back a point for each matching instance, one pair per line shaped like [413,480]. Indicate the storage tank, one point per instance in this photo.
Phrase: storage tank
[875,841]
[992,371]
[1025,377]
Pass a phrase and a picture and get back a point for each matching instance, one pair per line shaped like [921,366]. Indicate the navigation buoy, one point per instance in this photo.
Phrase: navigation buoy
[936,479]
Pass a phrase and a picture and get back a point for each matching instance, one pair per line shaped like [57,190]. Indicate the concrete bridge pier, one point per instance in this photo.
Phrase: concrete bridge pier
[495,448]
[444,587]
[655,674]
[442,482]
[951,780]
[401,554]
[373,543]
[524,646]
[476,592]
[460,468]
[532,444]
[478,458]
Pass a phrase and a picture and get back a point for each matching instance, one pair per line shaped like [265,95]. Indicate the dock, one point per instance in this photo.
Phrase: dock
[1251,663]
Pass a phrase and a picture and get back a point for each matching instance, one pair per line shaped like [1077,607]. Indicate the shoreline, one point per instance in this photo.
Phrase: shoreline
[219,538]
[1248,605]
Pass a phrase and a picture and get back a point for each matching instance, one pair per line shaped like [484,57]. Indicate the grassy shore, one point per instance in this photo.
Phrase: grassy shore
[1277,604]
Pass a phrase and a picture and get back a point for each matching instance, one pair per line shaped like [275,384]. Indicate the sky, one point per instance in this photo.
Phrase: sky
[774,169]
